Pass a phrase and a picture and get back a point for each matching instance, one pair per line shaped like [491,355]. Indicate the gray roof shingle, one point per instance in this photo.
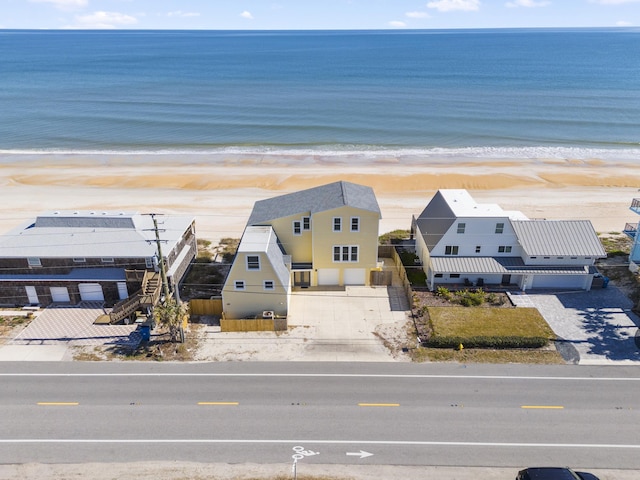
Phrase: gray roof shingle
[313,200]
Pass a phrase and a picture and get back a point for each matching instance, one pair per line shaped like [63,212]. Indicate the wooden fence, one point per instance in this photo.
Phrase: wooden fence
[253,325]
[205,306]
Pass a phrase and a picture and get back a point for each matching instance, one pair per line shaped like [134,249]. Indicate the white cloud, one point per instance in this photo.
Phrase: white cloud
[417,14]
[527,3]
[246,14]
[65,4]
[613,2]
[451,5]
[105,20]
[397,24]
[180,13]
[623,23]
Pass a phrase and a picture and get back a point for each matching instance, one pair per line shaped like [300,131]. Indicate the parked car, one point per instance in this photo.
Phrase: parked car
[553,473]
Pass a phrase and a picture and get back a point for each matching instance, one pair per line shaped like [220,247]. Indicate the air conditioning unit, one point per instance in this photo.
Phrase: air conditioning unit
[268,314]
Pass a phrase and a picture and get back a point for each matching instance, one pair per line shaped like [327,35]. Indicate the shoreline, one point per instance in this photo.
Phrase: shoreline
[219,191]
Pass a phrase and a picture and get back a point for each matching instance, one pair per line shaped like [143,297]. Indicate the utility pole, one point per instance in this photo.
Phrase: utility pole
[163,270]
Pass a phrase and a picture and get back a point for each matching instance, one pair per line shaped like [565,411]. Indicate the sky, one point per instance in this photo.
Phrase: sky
[315,14]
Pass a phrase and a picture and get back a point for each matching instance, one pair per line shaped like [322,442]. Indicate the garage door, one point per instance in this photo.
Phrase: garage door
[328,276]
[354,276]
[60,294]
[558,281]
[91,292]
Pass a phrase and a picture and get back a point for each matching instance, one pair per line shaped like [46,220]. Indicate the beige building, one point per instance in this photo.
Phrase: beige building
[322,236]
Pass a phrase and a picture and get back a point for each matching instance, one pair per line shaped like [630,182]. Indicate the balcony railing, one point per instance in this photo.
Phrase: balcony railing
[635,205]
[631,230]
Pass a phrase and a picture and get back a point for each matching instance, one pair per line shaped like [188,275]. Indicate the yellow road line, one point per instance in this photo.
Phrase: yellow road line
[551,407]
[378,404]
[218,403]
[59,404]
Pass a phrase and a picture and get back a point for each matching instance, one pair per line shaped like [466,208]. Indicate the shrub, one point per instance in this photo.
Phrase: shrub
[487,342]
[443,292]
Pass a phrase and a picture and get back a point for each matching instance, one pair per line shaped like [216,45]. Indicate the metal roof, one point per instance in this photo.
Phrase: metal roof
[92,235]
[500,265]
[313,200]
[558,238]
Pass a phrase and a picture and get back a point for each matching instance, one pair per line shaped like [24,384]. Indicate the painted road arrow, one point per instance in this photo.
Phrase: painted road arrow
[361,454]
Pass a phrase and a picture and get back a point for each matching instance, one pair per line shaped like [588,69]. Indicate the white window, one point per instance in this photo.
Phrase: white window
[451,250]
[253,262]
[355,224]
[34,262]
[148,262]
[268,285]
[461,227]
[239,285]
[306,223]
[345,253]
[499,227]
[504,249]
[107,260]
[337,224]
[297,228]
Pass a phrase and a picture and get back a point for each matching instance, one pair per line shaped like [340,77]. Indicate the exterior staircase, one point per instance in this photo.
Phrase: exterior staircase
[147,297]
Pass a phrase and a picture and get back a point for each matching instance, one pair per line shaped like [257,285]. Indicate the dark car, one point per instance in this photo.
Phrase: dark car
[553,473]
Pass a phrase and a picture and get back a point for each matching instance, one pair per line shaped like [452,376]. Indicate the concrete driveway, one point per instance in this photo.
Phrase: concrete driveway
[345,320]
[597,327]
[49,336]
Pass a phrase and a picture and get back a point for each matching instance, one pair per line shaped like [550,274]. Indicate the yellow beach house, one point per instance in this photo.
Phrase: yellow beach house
[322,236]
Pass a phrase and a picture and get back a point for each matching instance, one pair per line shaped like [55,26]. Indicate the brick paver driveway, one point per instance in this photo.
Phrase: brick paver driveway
[597,327]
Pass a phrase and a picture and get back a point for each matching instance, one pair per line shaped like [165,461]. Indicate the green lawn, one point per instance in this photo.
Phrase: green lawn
[499,335]
[464,322]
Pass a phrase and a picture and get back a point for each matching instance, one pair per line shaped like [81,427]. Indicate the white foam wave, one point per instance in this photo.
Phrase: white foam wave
[370,152]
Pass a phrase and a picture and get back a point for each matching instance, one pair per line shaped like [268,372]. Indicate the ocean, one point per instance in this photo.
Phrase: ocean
[572,94]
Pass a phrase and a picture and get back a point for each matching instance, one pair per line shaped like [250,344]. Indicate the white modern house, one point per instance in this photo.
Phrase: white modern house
[631,229]
[463,243]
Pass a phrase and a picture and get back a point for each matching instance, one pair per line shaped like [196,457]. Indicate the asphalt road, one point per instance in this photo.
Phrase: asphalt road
[401,414]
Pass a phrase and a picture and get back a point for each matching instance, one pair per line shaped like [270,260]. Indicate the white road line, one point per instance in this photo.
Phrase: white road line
[325,375]
[316,442]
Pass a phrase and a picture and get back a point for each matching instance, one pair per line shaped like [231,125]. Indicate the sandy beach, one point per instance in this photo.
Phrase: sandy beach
[220,190]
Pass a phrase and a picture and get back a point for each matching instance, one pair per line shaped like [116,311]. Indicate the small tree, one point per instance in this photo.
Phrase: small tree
[170,315]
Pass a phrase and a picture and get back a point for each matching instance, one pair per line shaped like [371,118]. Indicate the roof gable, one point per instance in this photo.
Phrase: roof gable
[435,220]
[558,238]
[314,200]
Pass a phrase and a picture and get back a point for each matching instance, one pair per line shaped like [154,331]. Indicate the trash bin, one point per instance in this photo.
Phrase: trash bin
[605,282]
[145,332]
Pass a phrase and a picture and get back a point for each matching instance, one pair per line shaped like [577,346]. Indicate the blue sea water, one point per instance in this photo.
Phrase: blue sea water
[511,93]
